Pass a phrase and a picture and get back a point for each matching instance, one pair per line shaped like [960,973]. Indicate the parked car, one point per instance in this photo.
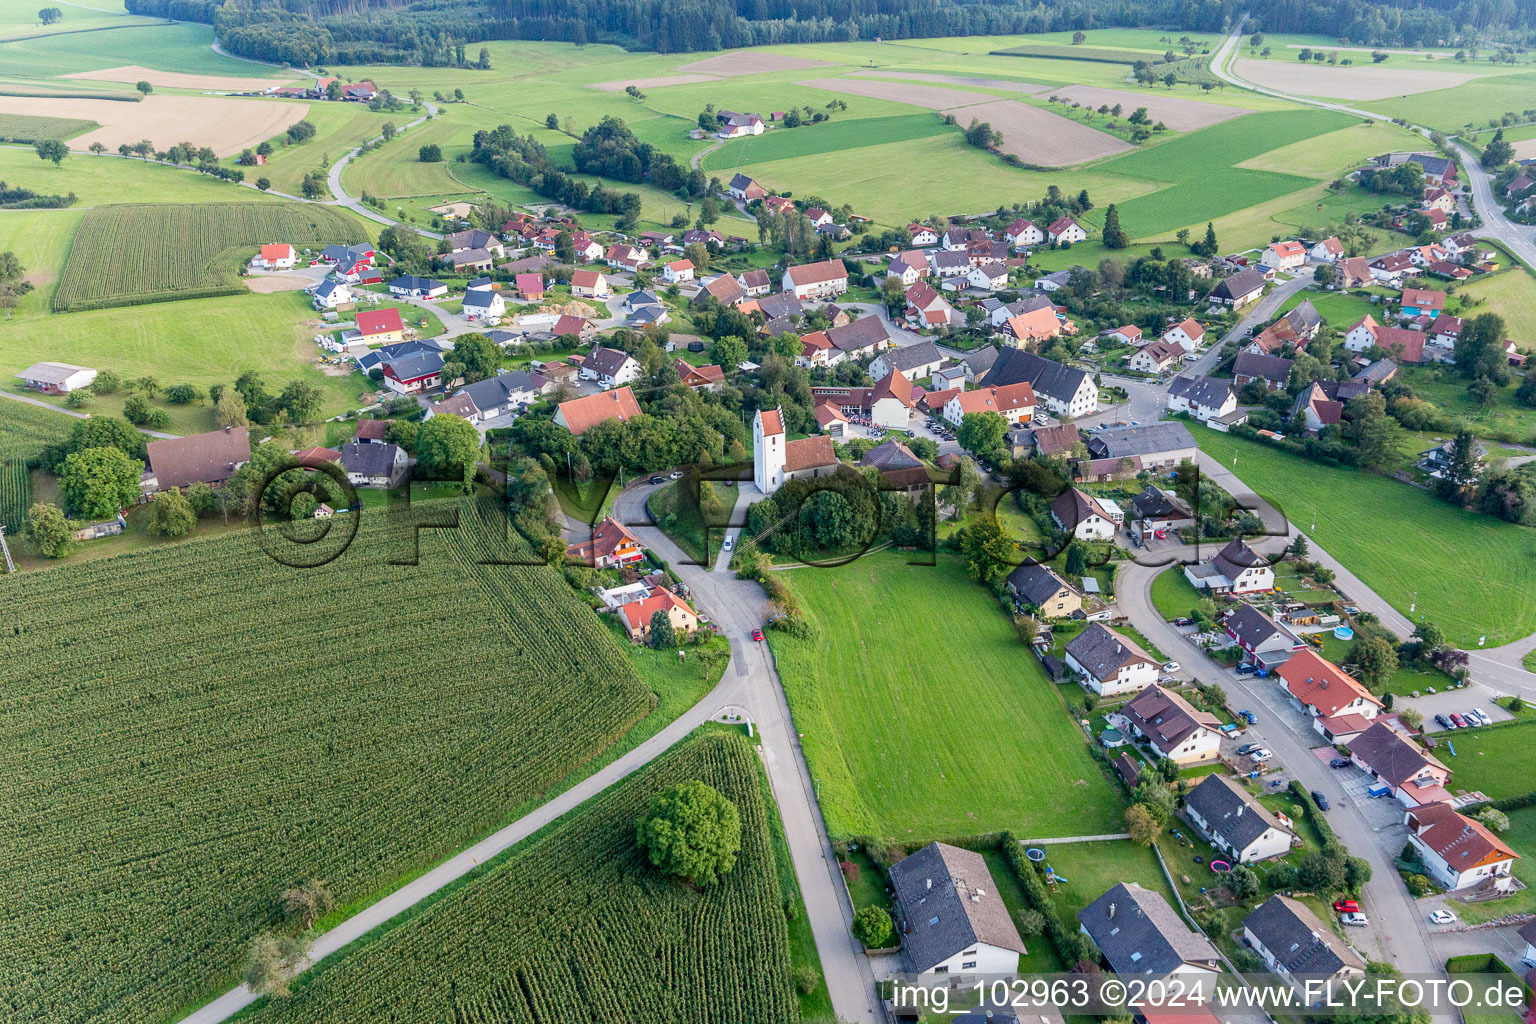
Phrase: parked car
[1160,534]
[757,635]
[730,542]
[1249,717]
[1182,621]
[1482,716]
[1442,917]
[1245,669]
[1443,722]
[1172,666]
[1261,755]
[1458,721]
[1353,920]
[1346,907]
[676,474]
[1322,800]
[1339,762]
[658,479]
[1247,748]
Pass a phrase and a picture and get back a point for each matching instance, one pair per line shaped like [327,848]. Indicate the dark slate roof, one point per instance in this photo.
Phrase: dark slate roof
[906,358]
[981,360]
[1378,372]
[605,362]
[479,298]
[641,299]
[1300,941]
[1145,935]
[420,364]
[1036,584]
[494,392]
[1231,812]
[411,281]
[863,333]
[1256,364]
[1236,557]
[1207,391]
[1250,625]
[1045,376]
[891,455]
[1305,317]
[369,459]
[1154,438]
[1240,283]
[328,286]
[1155,504]
[779,305]
[1393,757]
[1103,652]
[949,902]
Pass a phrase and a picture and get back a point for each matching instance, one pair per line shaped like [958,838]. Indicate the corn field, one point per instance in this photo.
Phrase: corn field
[15,495]
[25,430]
[129,255]
[187,730]
[577,926]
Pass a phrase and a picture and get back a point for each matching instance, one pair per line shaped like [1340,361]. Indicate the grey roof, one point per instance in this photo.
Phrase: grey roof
[1103,652]
[1156,504]
[1378,372]
[605,362]
[1394,758]
[1236,557]
[51,373]
[641,299]
[473,238]
[891,455]
[1256,364]
[1299,940]
[1305,317]
[495,392]
[419,364]
[1165,718]
[755,279]
[779,305]
[480,298]
[466,256]
[1207,391]
[1145,935]
[330,286]
[1059,277]
[369,459]
[863,333]
[981,360]
[1045,376]
[646,314]
[957,258]
[1030,303]
[910,356]
[345,252]
[1230,812]
[1241,283]
[741,181]
[949,902]
[1250,625]
[480,282]
[1036,584]
[1153,438]
[410,282]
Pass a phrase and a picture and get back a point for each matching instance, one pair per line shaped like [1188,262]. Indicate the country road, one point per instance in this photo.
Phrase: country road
[333,180]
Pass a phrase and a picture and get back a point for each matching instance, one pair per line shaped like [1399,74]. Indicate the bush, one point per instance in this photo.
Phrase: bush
[806,979]
[872,926]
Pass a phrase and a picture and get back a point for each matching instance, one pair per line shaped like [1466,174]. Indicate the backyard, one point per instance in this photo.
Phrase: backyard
[904,746]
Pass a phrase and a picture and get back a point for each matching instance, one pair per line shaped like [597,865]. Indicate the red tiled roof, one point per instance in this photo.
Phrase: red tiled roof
[582,414]
[585,279]
[773,422]
[379,321]
[808,453]
[818,273]
[1461,841]
[1314,680]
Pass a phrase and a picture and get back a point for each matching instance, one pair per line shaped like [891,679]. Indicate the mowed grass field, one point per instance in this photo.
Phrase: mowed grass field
[829,137]
[339,127]
[229,744]
[136,254]
[1503,415]
[1469,573]
[395,169]
[923,716]
[97,180]
[183,46]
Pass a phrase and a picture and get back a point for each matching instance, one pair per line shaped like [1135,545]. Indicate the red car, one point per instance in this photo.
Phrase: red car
[1346,907]
[757,634]
[1458,721]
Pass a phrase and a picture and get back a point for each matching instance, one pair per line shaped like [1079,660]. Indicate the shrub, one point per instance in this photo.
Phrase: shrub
[872,926]
[806,979]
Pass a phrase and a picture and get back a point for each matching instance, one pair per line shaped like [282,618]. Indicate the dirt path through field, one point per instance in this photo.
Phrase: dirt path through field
[1345,83]
[176,80]
[223,123]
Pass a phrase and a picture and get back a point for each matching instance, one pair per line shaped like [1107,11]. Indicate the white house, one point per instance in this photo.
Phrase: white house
[954,920]
[275,257]
[1022,233]
[988,277]
[1245,569]
[330,293]
[1204,398]
[1292,940]
[1171,725]
[484,304]
[1329,250]
[1528,933]
[1361,334]
[908,268]
[373,465]
[1015,403]
[56,378]
[1187,334]
[1156,357]
[1458,852]
[1081,515]
[678,271]
[1237,824]
[735,126]
[610,366]
[1284,256]
[923,235]
[825,280]
[914,361]
[1109,663]
[1323,690]
[1065,229]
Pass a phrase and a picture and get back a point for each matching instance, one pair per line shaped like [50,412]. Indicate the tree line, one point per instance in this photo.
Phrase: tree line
[524,159]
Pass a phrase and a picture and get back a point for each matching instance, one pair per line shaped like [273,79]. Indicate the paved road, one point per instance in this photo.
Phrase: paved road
[333,179]
[1260,312]
[71,412]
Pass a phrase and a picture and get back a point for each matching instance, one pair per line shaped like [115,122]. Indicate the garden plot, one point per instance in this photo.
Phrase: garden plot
[1040,137]
[225,124]
[751,62]
[132,73]
[976,83]
[1346,83]
[1178,114]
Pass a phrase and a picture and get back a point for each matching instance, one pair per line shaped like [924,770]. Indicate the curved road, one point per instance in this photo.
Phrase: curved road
[333,179]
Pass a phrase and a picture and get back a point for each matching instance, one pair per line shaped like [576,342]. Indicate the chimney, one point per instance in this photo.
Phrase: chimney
[1111,911]
[929,885]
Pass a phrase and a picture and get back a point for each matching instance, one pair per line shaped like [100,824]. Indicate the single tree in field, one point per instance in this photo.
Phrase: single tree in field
[144,87]
[1114,234]
[304,903]
[49,15]
[691,831]
[171,515]
[263,183]
[49,530]
[98,148]
[387,129]
[13,282]
[271,963]
[552,122]
[52,149]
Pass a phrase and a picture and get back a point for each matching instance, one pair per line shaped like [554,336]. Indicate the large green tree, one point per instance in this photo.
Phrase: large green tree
[107,432]
[171,515]
[479,355]
[49,530]
[448,446]
[99,481]
[691,830]
[1114,235]
[982,432]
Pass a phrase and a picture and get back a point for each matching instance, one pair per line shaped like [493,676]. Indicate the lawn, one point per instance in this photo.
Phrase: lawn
[112,179]
[395,169]
[1469,573]
[1172,594]
[1504,418]
[893,732]
[1484,759]
[1450,109]
[1091,868]
[339,127]
[1511,294]
[833,136]
[1341,310]
[184,47]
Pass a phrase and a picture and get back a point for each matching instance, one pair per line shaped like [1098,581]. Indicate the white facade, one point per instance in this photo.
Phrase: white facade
[1129,679]
[1360,337]
[1092,527]
[767,453]
[1448,877]
[925,236]
[1028,234]
[1181,403]
[1200,745]
[1323,254]
[1291,259]
[1143,360]
[988,278]
[1254,577]
[979,958]
[1179,336]
[1084,400]
[1072,232]
[495,306]
[1272,842]
[678,271]
[890,413]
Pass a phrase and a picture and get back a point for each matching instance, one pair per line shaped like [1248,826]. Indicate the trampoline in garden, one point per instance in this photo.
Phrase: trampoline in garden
[1221,867]
[1343,633]
[1035,854]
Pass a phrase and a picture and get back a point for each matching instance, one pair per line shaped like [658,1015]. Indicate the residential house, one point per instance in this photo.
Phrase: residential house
[948,264]
[1152,446]
[376,358]
[1423,302]
[1201,397]
[745,189]
[1292,940]
[1458,852]
[474,238]
[1303,322]
[1325,691]
[359,92]
[1053,281]
[1316,409]
[56,378]
[1237,824]
[346,253]
[496,397]
[1264,642]
[816,350]
[1156,357]
[210,458]
[1014,402]
[1284,256]
[1239,289]
[988,277]
[1155,509]
[1065,230]
[1130,334]
[573,326]
[951,916]
[610,366]
[908,267]
[899,468]
[582,414]
[275,256]
[413,373]
[1039,324]
[411,286]
[1414,775]
[483,304]
[1353,272]
[1140,934]
[587,248]
[1080,514]
[380,326]
[1437,198]
[724,289]
[775,460]
[1329,250]
[978,364]
[1054,442]
[923,235]
[1023,233]
[373,465]
[1407,346]
[714,241]
[467,259]
[637,615]
[756,283]
[913,361]
[1439,459]
[1437,169]
[927,308]
[780,306]
[1171,726]
[332,294]
[610,546]
[1187,334]
[959,239]
[1063,390]
[1273,372]
[1391,268]
[891,402]
[863,337]
[589,284]
[1110,664]
[703,378]
[530,287]
[1527,932]
[825,280]
[625,257]
[1038,587]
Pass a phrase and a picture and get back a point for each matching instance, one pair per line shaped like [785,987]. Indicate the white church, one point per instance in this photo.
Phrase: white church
[775,460]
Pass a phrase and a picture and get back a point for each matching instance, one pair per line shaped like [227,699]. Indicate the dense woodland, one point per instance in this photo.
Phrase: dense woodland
[435,32]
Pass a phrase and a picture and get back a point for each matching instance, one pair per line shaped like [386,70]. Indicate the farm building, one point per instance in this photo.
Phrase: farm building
[209,458]
[56,378]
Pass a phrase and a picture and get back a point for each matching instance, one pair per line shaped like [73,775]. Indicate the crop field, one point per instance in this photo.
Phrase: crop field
[828,137]
[1469,573]
[226,124]
[15,494]
[25,430]
[174,762]
[183,47]
[130,255]
[1351,83]
[30,128]
[1199,167]
[1104,55]
[890,727]
[576,916]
